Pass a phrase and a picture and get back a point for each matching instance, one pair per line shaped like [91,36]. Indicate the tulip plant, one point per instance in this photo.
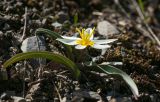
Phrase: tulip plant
[85,40]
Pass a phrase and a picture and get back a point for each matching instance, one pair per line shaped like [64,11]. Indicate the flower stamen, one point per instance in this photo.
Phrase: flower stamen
[85,42]
[85,37]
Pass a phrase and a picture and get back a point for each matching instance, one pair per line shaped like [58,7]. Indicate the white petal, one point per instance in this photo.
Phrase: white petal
[71,38]
[67,41]
[89,30]
[80,47]
[91,38]
[97,46]
[104,41]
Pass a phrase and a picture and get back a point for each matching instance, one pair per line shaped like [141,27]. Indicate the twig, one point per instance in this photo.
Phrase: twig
[60,98]
[121,8]
[140,29]
[143,19]
[24,74]
[35,82]
[65,71]
[144,32]
[150,33]
[138,9]
[25,62]
[25,24]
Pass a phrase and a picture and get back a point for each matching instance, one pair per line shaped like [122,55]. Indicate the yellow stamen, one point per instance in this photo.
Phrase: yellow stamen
[81,33]
[85,37]
[85,42]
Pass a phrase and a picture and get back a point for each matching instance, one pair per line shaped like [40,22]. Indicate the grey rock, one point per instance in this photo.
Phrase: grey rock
[105,28]
[35,43]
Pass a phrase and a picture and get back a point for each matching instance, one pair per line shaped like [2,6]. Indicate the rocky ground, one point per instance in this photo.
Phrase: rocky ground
[137,49]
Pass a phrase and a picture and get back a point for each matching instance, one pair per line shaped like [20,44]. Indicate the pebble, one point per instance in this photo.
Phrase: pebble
[18,99]
[31,44]
[56,25]
[105,28]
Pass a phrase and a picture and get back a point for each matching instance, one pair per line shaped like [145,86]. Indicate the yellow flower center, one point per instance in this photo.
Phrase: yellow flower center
[85,42]
[85,38]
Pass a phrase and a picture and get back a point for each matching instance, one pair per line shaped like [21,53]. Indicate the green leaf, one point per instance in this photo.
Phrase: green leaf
[105,68]
[141,4]
[76,18]
[55,35]
[48,32]
[44,54]
[113,70]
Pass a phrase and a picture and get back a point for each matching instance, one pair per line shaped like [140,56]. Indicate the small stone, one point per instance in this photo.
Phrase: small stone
[18,99]
[34,88]
[87,94]
[34,43]
[5,96]
[44,21]
[97,13]
[56,25]
[6,26]
[122,23]
[62,16]
[105,28]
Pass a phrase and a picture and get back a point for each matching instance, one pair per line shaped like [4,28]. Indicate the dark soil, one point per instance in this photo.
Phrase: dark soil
[139,53]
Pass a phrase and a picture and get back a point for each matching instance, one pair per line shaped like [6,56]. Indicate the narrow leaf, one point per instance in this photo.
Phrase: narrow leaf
[48,32]
[141,4]
[44,54]
[76,18]
[113,70]
[55,35]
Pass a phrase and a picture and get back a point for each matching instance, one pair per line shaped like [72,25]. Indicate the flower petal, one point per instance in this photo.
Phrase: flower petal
[89,30]
[97,46]
[67,41]
[104,41]
[70,38]
[89,33]
[80,47]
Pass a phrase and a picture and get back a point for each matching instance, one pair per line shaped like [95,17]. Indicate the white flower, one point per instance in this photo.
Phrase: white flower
[86,39]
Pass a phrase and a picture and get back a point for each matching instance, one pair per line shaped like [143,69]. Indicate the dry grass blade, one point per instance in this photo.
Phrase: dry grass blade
[139,11]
